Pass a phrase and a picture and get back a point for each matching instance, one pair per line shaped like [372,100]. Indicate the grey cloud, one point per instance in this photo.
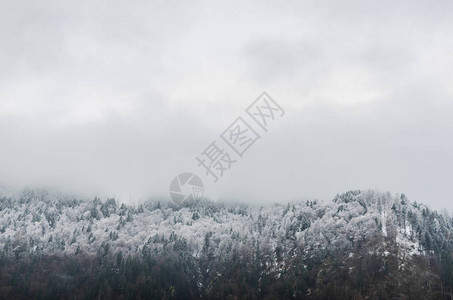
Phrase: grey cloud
[87,96]
[277,59]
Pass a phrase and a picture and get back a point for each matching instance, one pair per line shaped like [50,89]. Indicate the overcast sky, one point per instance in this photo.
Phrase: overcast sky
[118,97]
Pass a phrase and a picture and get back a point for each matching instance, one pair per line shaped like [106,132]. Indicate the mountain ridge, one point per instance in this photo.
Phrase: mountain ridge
[359,234]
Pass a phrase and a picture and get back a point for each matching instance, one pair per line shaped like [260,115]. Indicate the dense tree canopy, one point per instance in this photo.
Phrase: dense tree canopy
[361,244]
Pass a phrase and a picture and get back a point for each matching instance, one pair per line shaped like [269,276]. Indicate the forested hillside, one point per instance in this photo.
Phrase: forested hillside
[363,244]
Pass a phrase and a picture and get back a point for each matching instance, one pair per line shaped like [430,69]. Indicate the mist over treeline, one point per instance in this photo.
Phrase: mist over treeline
[360,244]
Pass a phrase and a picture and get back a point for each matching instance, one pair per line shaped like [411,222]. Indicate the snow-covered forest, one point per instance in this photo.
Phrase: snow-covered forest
[361,244]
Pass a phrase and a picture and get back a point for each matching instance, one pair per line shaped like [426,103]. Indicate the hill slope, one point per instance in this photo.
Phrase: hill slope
[361,244]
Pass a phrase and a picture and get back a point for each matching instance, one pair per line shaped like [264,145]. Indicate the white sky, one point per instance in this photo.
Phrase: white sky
[117,97]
